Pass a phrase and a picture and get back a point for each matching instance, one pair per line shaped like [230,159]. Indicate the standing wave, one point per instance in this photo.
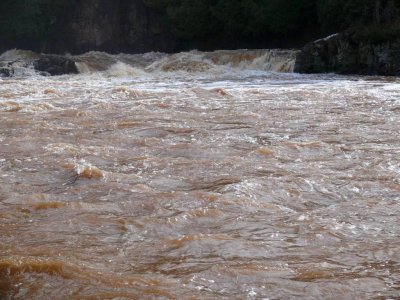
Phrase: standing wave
[17,63]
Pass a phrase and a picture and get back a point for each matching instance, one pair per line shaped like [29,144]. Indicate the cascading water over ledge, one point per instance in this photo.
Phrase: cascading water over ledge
[21,63]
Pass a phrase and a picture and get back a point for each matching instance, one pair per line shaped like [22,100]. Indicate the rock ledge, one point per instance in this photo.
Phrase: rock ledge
[344,53]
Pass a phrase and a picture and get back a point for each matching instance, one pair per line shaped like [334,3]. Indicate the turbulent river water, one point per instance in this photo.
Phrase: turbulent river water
[198,176]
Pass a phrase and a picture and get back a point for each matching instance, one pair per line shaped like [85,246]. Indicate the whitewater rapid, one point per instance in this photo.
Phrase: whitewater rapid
[217,175]
[20,62]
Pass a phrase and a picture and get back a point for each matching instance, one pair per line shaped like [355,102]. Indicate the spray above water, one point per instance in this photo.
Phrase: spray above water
[134,65]
[17,63]
[191,62]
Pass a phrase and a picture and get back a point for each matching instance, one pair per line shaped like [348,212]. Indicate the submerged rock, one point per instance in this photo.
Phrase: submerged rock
[346,53]
[11,68]
[21,63]
[5,72]
[55,65]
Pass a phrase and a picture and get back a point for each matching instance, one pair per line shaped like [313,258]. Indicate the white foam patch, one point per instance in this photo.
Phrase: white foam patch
[121,69]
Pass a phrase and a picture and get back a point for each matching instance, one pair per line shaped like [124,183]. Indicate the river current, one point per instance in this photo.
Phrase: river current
[198,176]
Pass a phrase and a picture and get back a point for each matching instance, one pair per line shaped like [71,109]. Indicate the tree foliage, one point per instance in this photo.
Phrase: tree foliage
[342,14]
[196,18]
[43,20]
[33,19]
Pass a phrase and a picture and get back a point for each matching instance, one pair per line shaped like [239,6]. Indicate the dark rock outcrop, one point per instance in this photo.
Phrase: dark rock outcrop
[55,65]
[112,26]
[115,26]
[345,53]
[5,72]
[14,68]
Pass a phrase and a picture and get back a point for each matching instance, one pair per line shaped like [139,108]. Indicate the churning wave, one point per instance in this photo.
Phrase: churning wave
[127,65]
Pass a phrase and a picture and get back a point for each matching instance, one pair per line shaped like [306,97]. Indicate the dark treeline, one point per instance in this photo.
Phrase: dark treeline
[31,20]
[212,23]
[258,18]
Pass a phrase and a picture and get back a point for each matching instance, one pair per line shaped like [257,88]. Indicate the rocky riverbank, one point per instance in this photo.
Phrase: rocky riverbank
[347,53]
[27,62]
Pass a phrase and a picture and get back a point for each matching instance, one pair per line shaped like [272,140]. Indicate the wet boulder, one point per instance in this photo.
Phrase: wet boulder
[55,65]
[319,56]
[5,72]
[347,53]
[16,68]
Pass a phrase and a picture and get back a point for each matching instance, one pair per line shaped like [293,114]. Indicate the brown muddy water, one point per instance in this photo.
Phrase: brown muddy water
[199,176]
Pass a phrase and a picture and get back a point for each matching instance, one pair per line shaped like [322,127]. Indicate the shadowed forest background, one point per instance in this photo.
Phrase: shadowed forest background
[45,25]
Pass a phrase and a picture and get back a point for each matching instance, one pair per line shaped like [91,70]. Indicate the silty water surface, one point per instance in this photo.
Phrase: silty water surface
[181,179]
